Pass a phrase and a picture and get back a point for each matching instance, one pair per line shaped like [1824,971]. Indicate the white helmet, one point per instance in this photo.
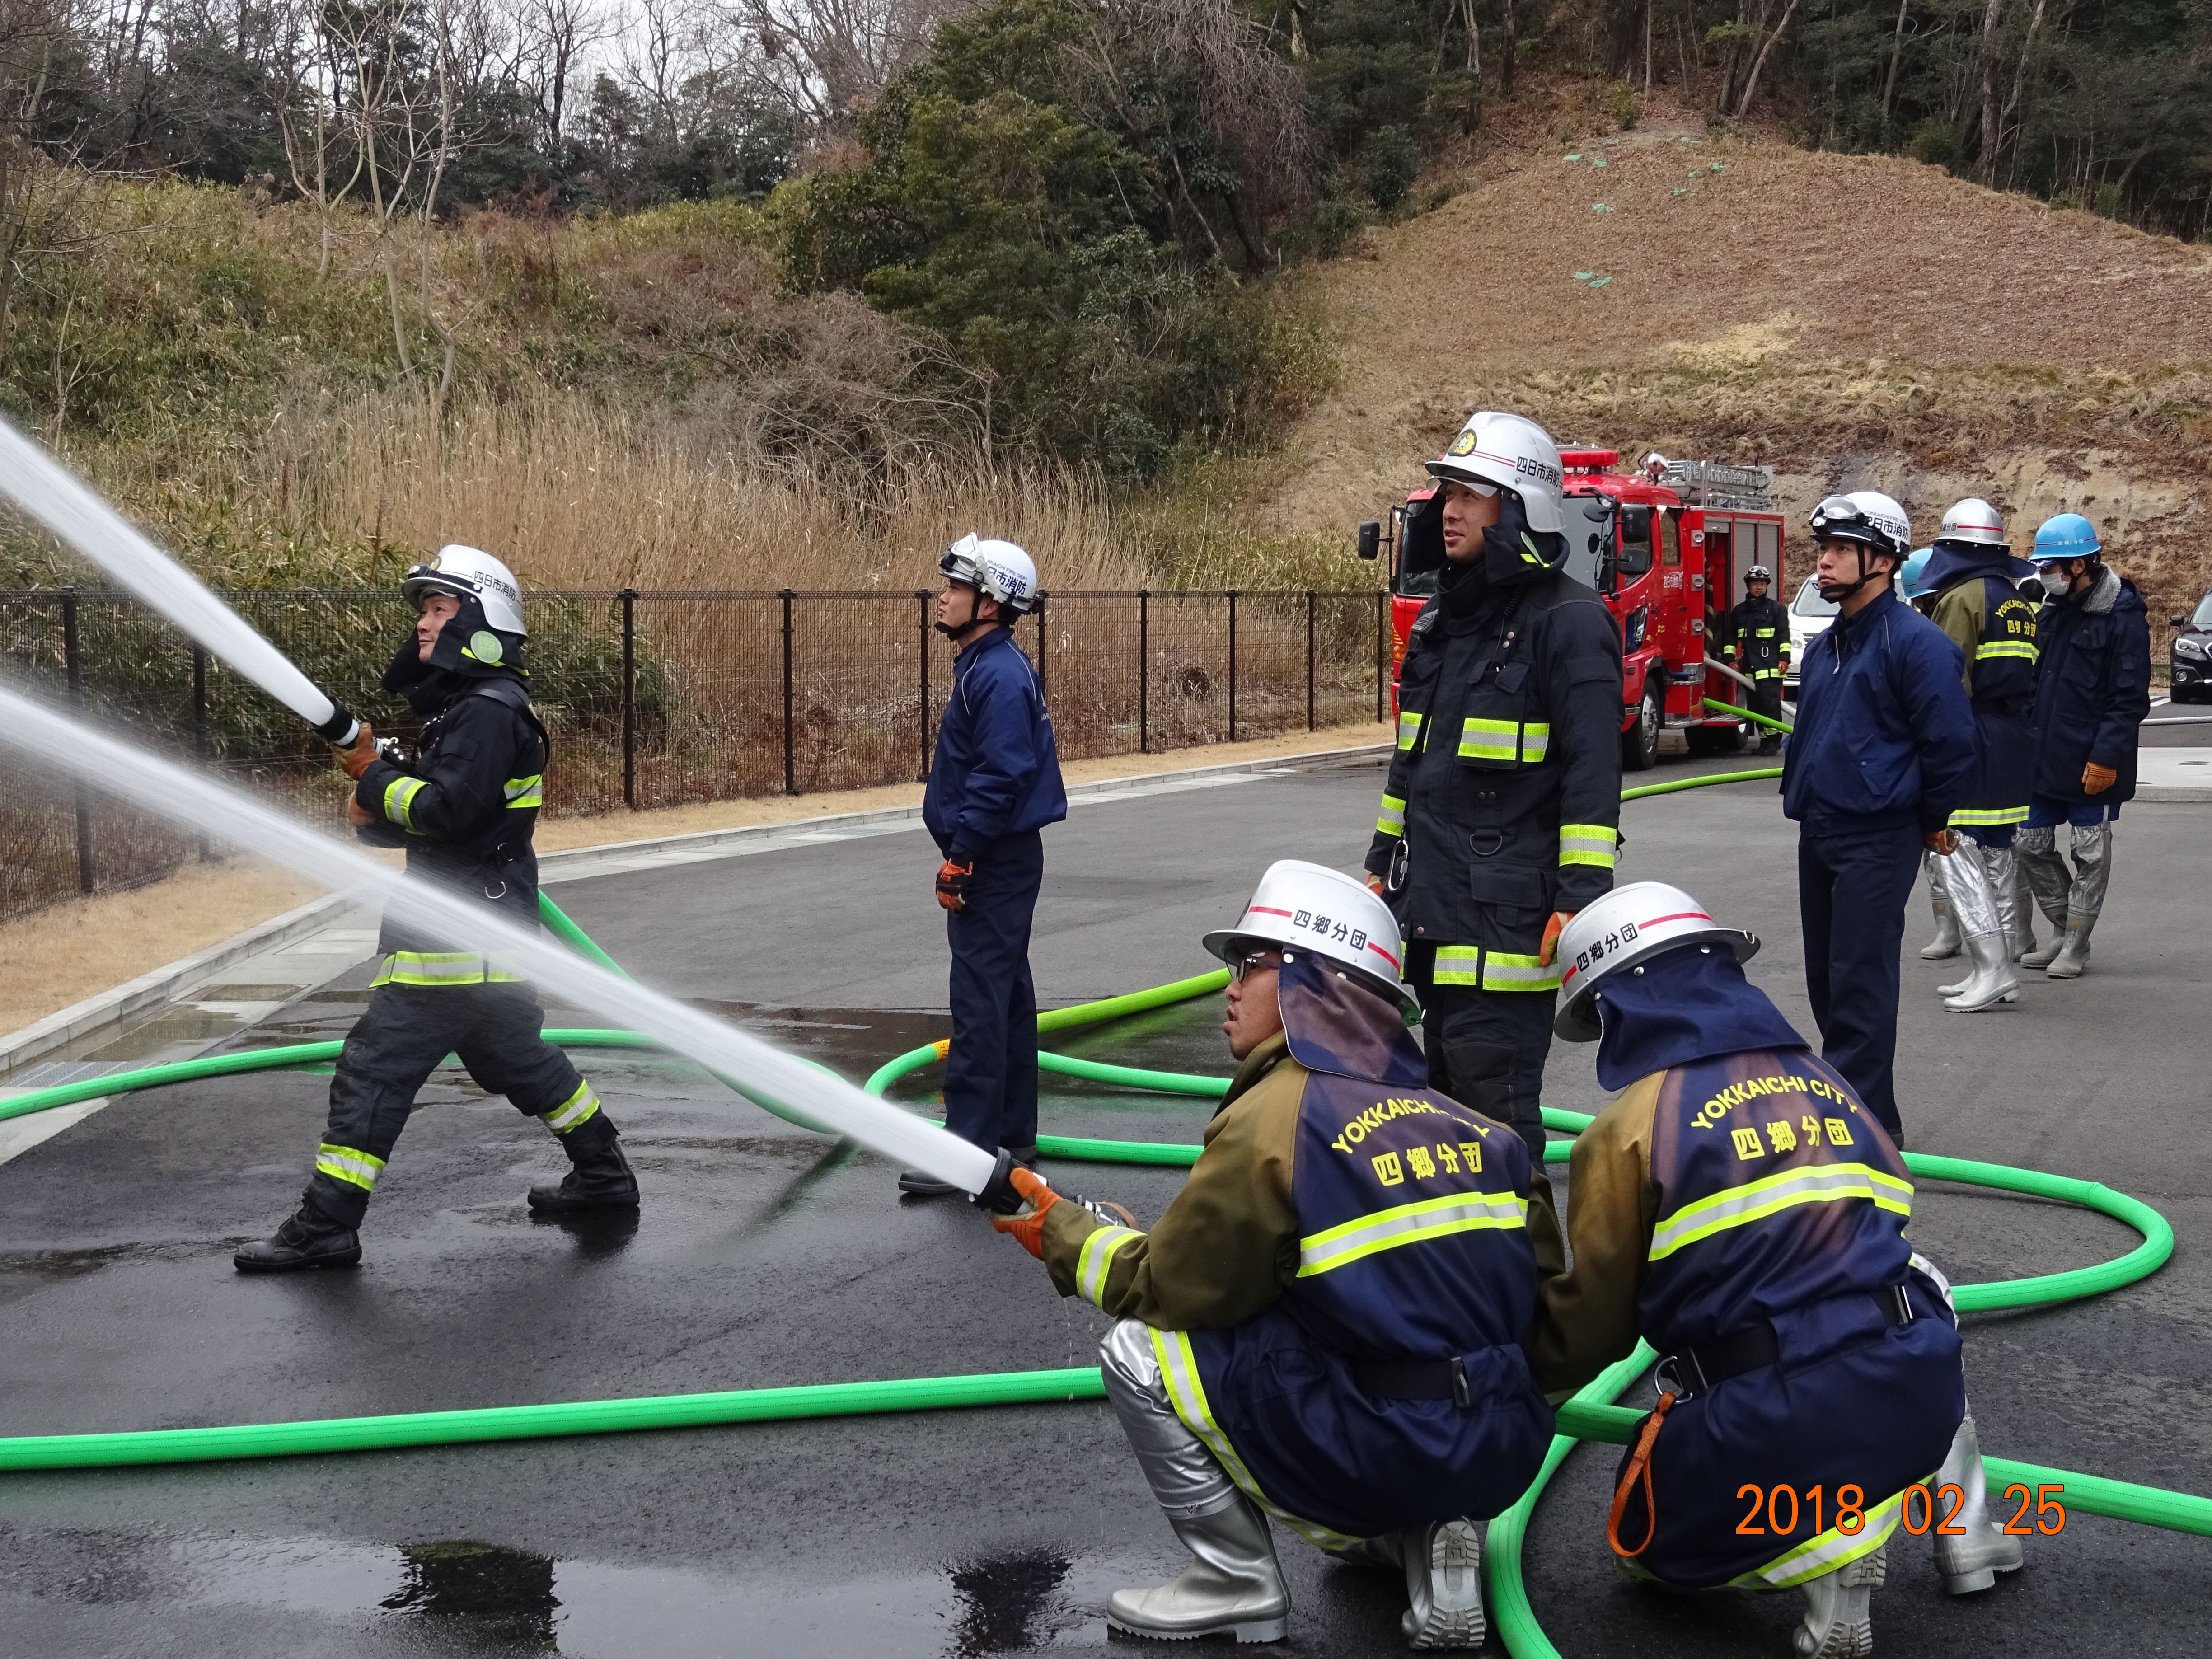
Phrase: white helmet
[1313,908]
[997,570]
[1511,451]
[470,573]
[1867,517]
[1973,521]
[1621,929]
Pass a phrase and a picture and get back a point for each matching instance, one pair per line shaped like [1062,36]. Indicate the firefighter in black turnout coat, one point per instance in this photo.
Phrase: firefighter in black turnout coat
[1759,629]
[1501,817]
[464,811]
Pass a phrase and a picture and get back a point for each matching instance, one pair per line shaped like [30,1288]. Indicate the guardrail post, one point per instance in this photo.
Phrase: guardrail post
[790,772]
[922,596]
[206,848]
[87,862]
[1232,665]
[1144,670]
[629,597]
[1310,606]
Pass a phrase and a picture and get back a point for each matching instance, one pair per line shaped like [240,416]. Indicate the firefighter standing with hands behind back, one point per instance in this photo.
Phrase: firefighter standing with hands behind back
[1759,628]
[465,810]
[1501,816]
[993,784]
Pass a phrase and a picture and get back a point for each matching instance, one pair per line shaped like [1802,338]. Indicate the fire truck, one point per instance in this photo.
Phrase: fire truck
[1666,546]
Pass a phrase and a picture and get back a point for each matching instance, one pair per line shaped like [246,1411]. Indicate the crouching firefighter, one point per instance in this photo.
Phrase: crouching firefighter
[1740,1208]
[464,811]
[1324,1326]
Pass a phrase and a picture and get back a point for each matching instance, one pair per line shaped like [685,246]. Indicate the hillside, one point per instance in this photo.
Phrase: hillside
[1852,321]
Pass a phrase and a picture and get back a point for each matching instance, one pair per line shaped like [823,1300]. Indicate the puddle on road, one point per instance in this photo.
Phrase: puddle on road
[477,1597]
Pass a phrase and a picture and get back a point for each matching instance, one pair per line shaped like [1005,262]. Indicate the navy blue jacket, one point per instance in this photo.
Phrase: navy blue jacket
[2092,688]
[997,769]
[1885,735]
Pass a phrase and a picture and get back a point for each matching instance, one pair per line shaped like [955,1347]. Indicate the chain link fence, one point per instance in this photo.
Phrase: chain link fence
[662,699]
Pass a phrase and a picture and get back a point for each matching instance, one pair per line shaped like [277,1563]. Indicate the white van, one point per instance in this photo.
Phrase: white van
[1809,617]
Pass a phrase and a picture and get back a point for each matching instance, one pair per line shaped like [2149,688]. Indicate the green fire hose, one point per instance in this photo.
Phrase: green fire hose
[1590,1415]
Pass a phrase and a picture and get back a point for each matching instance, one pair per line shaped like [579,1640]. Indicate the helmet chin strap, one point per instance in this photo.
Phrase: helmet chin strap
[954,630]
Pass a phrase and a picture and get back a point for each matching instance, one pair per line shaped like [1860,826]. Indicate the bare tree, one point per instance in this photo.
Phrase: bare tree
[42,187]
[556,36]
[829,58]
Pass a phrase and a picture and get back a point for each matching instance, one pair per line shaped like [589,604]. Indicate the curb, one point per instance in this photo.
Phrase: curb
[836,821]
[111,1007]
[108,1008]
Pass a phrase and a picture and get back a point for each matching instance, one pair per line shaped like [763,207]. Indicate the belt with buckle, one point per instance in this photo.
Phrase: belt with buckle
[1704,1367]
[1414,1379]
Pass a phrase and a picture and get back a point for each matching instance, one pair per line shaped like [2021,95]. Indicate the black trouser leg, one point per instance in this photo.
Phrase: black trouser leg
[1851,895]
[1766,699]
[505,1051]
[1486,1049]
[388,1055]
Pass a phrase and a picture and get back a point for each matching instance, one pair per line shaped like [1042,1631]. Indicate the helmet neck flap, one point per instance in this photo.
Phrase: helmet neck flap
[1335,1022]
[1688,1004]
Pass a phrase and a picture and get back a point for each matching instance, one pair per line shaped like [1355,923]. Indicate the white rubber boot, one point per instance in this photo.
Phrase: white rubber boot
[1945,942]
[1970,1562]
[1234,1587]
[1444,1582]
[1838,1622]
[1993,980]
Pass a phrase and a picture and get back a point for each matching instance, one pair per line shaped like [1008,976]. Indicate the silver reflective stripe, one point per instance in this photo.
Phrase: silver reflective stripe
[349,1164]
[1097,1259]
[1409,1224]
[572,1111]
[1829,1550]
[1393,820]
[1757,1199]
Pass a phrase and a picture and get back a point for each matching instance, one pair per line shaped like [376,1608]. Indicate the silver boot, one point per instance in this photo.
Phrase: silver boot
[1838,1622]
[1443,1582]
[2048,879]
[1993,981]
[1232,1587]
[2093,877]
[2023,908]
[1974,900]
[2072,960]
[1973,1561]
[1945,942]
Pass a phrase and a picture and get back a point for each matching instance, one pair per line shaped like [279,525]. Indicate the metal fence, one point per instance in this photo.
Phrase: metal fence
[663,699]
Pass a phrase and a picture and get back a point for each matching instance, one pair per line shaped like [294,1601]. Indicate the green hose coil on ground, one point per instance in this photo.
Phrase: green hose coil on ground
[1589,1415]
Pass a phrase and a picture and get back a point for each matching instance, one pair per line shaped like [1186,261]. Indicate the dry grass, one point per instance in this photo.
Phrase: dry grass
[70,951]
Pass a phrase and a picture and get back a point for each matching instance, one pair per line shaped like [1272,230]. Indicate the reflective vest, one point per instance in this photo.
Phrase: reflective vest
[1775,1189]
[2004,669]
[2005,654]
[1413,1216]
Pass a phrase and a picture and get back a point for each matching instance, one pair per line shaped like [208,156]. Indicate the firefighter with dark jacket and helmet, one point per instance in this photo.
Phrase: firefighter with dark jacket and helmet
[1758,629]
[1501,817]
[465,810]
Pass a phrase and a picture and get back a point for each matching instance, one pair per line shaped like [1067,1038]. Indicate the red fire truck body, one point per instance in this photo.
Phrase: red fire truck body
[1665,547]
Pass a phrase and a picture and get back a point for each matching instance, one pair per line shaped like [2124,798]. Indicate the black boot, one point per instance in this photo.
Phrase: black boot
[600,1178]
[308,1238]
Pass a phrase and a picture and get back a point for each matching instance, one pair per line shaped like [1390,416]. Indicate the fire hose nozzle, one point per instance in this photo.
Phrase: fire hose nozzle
[998,1195]
[341,730]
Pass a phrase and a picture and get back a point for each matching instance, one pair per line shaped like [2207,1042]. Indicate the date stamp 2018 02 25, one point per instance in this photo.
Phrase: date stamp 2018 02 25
[1808,1509]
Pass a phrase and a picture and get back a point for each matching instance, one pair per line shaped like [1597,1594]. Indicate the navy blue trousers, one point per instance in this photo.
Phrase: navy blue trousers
[991,1072]
[1851,894]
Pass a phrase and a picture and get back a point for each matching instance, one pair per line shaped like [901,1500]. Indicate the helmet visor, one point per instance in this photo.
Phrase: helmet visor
[1836,512]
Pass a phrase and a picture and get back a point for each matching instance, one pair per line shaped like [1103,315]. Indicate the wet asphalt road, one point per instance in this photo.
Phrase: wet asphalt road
[765,1256]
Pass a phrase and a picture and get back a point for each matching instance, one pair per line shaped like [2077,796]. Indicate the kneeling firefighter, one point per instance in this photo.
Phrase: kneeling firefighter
[1976,581]
[1741,1209]
[1324,1326]
[465,810]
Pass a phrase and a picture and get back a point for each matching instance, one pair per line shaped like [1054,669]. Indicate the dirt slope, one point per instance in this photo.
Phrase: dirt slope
[1853,320]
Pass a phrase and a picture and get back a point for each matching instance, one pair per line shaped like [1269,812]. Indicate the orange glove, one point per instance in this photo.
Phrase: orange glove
[358,759]
[1027,1224]
[952,879]
[1552,929]
[1944,840]
[2095,779]
[357,815]
[1375,885]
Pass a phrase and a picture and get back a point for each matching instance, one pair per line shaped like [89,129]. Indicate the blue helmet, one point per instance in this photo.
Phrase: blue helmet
[2067,536]
[1912,576]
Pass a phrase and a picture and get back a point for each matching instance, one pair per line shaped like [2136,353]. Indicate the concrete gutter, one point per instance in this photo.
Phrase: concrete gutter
[163,985]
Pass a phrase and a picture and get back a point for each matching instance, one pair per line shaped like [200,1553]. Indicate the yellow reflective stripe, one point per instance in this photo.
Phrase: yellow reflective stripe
[1762,632]
[1503,971]
[577,1108]
[1973,816]
[1408,1224]
[1828,1551]
[439,967]
[1589,843]
[1187,1394]
[2006,648]
[1095,1259]
[1535,741]
[1409,728]
[349,1164]
[526,792]
[1482,740]
[399,800]
[1459,965]
[1821,1184]
[1393,821]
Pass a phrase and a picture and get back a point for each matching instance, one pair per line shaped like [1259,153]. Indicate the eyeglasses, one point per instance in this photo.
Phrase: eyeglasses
[1253,961]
